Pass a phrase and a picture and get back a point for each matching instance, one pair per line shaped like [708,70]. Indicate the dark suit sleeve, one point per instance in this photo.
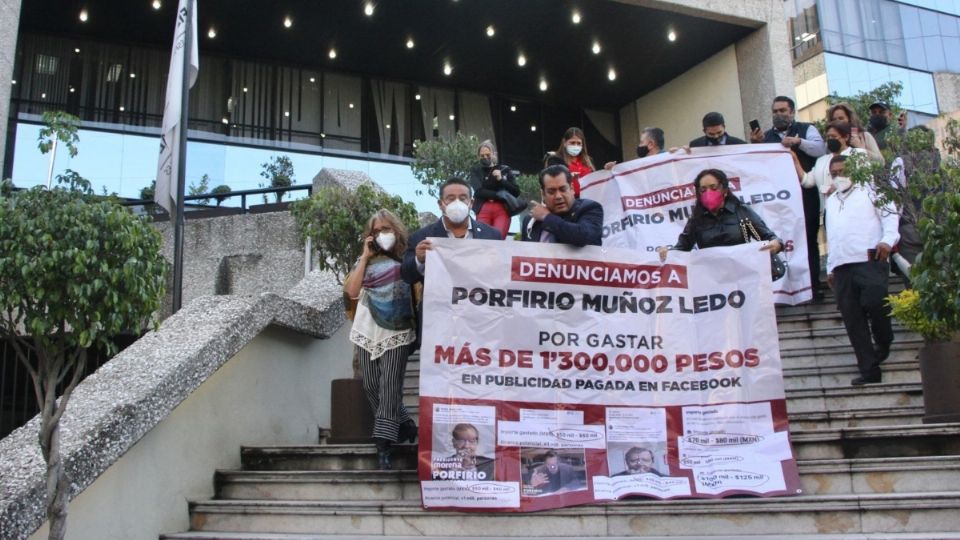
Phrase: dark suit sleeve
[687,238]
[698,142]
[524,231]
[586,230]
[486,232]
[408,268]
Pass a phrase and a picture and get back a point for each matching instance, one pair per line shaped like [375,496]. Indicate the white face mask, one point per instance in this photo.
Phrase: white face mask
[842,183]
[386,240]
[457,211]
[574,149]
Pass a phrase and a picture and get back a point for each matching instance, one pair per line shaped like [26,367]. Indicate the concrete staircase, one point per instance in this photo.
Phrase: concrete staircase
[869,469]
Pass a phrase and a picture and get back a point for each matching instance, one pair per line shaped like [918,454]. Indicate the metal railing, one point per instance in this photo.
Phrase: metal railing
[151,207]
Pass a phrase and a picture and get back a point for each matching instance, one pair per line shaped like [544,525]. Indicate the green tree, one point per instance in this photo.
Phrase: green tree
[147,193]
[278,171]
[334,219]
[76,270]
[200,189]
[220,193]
[435,160]
[58,127]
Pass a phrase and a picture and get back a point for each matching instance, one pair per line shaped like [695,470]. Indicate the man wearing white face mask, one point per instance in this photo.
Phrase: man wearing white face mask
[859,239]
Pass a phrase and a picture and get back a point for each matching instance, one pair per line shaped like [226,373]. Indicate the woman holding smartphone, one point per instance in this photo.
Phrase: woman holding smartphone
[383,330]
[573,150]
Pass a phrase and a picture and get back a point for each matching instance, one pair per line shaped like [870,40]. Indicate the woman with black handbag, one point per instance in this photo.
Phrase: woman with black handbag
[720,219]
[496,195]
[384,329]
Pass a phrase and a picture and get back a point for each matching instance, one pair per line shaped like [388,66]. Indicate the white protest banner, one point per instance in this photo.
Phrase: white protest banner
[647,202]
[553,376]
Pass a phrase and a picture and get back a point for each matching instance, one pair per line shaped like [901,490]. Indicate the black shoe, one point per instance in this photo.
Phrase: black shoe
[860,381]
[882,351]
[408,432]
[384,454]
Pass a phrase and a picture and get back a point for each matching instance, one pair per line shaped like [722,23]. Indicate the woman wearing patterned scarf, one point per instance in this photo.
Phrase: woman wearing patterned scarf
[384,330]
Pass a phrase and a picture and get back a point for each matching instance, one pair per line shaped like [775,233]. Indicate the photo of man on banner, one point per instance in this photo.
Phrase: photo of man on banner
[465,462]
[553,471]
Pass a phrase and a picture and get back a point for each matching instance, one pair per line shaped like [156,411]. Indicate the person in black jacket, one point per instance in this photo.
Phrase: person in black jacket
[715,132]
[492,183]
[561,218]
[716,218]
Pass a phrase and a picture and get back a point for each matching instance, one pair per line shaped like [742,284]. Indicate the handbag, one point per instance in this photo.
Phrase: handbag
[778,268]
[514,204]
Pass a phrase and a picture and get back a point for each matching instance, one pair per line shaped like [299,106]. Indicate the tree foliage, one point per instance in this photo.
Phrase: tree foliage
[860,102]
[59,126]
[76,269]
[201,188]
[278,171]
[334,219]
[435,160]
[220,193]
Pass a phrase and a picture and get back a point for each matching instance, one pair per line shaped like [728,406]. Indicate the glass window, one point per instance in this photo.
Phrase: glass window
[849,76]
[932,41]
[946,6]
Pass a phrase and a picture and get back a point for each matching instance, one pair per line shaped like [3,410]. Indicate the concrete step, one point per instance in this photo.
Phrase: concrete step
[842,355]
[806,514]
[829,377]
[833,335]
[819,320]
[834,476]
[867,418]
[912,440]
[208,535]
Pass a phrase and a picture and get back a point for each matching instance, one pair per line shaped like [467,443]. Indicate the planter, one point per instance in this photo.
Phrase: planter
[269,207]
[940,376]
[351,421]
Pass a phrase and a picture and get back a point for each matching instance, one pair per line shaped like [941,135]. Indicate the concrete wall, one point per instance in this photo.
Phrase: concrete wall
[678,106]
[947,85]
[276,390]
[9,24]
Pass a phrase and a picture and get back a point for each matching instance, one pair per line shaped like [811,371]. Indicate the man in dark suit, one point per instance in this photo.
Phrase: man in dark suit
[455,202]
[562,219]
[715,132]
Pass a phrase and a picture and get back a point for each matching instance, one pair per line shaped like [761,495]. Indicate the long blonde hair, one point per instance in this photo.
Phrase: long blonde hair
[398,228]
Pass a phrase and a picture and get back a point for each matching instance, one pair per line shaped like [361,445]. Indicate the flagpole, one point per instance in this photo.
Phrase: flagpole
[182,161]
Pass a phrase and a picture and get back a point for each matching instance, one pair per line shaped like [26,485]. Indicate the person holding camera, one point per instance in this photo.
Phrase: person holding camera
[384,329]
[496,195]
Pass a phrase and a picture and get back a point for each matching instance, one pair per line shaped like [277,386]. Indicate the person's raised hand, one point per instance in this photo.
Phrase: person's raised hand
[422,248]
[539,212]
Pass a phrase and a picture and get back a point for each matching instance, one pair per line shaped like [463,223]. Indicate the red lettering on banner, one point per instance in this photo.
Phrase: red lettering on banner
[599,273]
[670,195]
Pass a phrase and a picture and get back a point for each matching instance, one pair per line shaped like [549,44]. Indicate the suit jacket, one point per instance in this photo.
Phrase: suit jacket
[702,141]
[408,269]
[581,226]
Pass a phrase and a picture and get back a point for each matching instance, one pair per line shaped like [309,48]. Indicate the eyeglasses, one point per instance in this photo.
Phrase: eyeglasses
[714,187]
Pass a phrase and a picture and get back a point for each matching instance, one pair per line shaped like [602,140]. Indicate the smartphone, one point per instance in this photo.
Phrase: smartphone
[754,125]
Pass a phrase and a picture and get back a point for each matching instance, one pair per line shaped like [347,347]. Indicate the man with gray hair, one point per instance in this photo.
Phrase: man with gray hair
[651,142]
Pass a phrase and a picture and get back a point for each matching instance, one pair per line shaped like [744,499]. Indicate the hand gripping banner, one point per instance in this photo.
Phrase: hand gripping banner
[553,376]
[647,202]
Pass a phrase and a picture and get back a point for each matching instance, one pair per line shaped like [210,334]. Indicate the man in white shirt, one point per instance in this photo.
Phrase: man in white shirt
[859,239]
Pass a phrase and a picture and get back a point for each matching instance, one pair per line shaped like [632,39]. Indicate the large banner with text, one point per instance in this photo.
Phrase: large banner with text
[553,376]
[647,202]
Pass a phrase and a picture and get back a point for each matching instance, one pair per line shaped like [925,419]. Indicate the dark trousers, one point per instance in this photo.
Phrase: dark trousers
[811,217]
[383,384]
[861,291]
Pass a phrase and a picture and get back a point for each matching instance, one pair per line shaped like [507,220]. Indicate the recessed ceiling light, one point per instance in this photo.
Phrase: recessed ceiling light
[596,47]
[43,95]
[72,89]
[133,75]
[313,79]
[410,43]
[84,15]
[491,31]
[672,36]
[156,4]
[212,32]
[612,74]
[533,127]
[543,85]
[417,97]
[368,9]
[244,89]
[447,69]
[122,108]
[286,114]
[13,81]
[224,121]
[287,22]
[513,108]
[323,135]
[350,105]
[332,54]
[452,116]
[575,17]
[77,50]
[387,126]
[521,60]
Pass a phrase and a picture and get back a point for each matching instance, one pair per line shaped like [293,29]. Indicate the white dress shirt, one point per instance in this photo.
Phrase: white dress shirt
[855,224]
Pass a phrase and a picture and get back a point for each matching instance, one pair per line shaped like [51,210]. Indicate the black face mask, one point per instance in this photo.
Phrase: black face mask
[879,122]
[642,151]
[713,141]
[833,145]
[486,163]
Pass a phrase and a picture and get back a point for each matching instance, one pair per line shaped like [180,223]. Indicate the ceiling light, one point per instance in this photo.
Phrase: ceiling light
[452,116]
[313,79]
[156,4]
[332,54]
[612,74]
[491,31]
[575,17]
[387,126]
[410,43]
[417,97]
[521,60]
[513,108]
[244,89]
[533,127]
[808,37]
[286,114]
[447,69]
[13,81]
[543,85]
[368,9]
[224,121]
[350,105]
[596,47]
[43,95]
[83,15]
[122,108]
[323,135]
[133,75]
[77,50]
[212,32]
[72,89]
[287,22]
[672,36]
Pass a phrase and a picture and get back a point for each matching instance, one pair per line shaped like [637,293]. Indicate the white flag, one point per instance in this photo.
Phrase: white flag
[165,194]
